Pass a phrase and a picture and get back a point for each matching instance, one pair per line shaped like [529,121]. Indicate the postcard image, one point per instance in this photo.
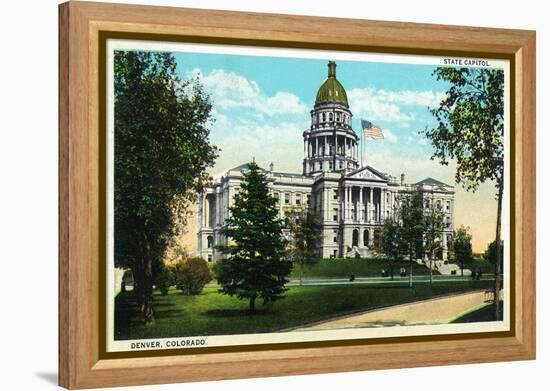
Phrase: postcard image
[261,196]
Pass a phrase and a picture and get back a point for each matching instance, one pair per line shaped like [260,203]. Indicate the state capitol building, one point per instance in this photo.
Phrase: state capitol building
[353,201]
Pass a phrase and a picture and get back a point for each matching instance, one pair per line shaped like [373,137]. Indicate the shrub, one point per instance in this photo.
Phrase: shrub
[163,281]
[191,275]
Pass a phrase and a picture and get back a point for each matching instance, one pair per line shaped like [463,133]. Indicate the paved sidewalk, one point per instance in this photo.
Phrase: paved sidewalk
[431,311]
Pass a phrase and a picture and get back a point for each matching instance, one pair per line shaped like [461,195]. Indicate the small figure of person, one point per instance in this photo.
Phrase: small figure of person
[479,275]
[352,277]
[474,275]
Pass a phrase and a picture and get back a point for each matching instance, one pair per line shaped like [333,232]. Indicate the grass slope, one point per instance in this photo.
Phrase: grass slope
[361,267]
[212,313]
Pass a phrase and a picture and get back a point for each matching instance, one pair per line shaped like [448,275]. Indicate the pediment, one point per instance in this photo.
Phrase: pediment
[367,173]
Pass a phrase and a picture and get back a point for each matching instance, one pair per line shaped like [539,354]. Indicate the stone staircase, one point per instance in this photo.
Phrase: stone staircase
[448,269]
[356,252]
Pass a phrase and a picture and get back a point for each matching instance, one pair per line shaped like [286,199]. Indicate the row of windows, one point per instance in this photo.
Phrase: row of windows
[438,204]
[298,198]
[339,165]
[331,116]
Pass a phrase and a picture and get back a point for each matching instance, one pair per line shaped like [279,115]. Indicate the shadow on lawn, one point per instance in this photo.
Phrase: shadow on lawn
[235,312]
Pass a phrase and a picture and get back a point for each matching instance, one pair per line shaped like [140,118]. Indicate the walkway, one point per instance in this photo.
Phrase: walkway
[431,311]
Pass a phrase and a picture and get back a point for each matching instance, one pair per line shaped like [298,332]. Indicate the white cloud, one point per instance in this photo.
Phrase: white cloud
[390,136]
[230,90]
[416,98]
[279,143]
[422,141]
[387,105]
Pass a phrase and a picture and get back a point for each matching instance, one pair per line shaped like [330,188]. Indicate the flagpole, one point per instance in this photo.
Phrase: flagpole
[362,137]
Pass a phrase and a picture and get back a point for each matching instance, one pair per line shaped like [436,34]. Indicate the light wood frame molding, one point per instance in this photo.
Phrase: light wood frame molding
[80,24]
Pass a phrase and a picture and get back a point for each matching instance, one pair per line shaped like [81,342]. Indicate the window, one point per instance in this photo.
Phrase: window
[324,117]
[287,198]
[308,197]
[355,238]
[210,241]
[276,196]
[335,214]
[298,199]
[210,258]
[335,194]
[448,206]
[330,117]
[330,166]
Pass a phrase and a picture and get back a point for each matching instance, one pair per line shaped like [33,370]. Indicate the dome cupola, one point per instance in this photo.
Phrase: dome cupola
[331,90]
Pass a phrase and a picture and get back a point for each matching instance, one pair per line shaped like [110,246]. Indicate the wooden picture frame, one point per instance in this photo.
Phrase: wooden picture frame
[82,29]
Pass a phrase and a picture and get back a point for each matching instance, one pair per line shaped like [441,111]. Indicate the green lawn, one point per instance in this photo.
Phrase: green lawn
[361,267]
[214,314]
[483,314]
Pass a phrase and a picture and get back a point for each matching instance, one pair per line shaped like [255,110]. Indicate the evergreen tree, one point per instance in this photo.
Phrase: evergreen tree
[256,265]
[162,152]
[306,230]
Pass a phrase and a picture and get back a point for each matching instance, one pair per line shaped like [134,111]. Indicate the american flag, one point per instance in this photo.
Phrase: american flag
[371,130]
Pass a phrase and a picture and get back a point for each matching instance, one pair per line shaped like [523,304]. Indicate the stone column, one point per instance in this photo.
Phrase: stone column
[341,193]
[371,209]
[378,205]
[316,146]
[348,202]
[361,204]
[383,204]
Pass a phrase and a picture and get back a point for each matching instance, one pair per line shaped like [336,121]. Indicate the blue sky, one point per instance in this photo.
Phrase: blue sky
[266,100]
[261,107]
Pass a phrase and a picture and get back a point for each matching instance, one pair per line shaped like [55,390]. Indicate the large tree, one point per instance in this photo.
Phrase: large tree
[411,230]
[256,265]
[462,246]
[433,230]
[391,242]
[306,231]
[162,151]
[470,130]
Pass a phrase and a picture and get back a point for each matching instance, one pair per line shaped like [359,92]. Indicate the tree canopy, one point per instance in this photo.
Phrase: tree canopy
[470,124]
[161,155]
[306,230]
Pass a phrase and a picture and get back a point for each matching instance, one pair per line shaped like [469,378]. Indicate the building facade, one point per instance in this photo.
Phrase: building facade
[352,200]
